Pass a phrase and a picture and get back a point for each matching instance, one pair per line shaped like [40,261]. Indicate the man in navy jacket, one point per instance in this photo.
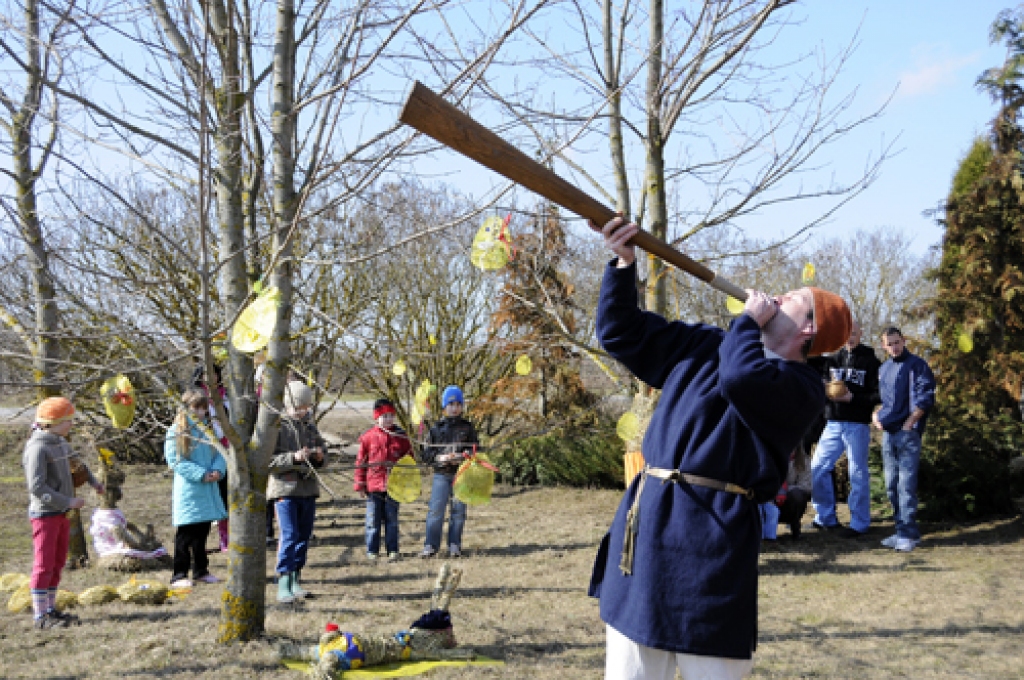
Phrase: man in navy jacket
[907,388]
[677,572]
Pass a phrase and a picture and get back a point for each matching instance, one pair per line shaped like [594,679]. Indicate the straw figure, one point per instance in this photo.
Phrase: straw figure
[120,544]
[430,638]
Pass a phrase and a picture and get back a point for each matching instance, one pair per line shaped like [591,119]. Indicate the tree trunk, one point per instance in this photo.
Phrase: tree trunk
[656,291]
[46,349]
[614,95]
[244,601]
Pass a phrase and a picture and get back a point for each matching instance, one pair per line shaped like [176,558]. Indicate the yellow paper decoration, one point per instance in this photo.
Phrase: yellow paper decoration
[734,306]
[118,397]
[965,342]
[404,481]
[421,401]
[255,324]
[474,481]
[808,274]
[107,456]
[432,339]
[399,368]
[524,365]
[628,426]
[491,245]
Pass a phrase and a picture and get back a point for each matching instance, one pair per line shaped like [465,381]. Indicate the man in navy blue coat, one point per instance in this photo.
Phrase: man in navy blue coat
[677,572]
[907,388]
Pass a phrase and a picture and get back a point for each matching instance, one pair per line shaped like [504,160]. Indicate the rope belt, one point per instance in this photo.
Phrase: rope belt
[633,516]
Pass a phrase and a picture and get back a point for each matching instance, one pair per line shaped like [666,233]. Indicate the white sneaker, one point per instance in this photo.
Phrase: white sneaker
[208,578]
[181,583]
[454,551]
[891,541]
[428,551]
[905,544]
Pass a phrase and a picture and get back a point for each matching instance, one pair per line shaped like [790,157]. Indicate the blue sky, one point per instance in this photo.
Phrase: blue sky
[932,52]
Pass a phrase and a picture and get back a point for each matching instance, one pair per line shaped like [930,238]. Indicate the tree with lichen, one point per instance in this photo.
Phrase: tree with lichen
[976,428]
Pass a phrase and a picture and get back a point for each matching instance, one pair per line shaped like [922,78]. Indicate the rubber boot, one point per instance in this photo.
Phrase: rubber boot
[222,529]
[297,591]
[284,588]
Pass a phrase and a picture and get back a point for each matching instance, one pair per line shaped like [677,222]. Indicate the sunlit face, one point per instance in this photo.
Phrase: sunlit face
[298,412]
[796,312]
[200,410]
[386,420]
[62,429]
[894,344]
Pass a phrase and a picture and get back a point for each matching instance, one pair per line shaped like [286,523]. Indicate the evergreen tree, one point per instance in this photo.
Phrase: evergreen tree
[976,428]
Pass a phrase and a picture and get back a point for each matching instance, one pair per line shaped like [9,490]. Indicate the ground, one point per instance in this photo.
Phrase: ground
[830,608]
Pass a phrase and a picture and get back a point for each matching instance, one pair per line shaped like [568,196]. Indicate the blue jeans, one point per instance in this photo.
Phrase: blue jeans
[295,519]
[854,439]
[381,509]
[440,495]
[901,455]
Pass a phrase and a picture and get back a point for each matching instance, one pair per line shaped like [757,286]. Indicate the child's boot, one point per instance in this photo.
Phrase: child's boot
[222,529]
[297,591]
[284,588]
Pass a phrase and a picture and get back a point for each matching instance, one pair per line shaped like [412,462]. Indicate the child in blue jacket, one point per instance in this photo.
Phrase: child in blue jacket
[196,501]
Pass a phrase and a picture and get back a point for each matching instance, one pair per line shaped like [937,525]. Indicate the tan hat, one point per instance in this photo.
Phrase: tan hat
[297,394]
[833,321]
[54,410]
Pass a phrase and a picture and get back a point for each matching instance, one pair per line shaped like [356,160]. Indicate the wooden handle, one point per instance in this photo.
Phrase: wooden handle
[425,111]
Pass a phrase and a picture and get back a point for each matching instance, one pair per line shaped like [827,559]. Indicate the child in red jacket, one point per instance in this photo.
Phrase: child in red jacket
[380,447]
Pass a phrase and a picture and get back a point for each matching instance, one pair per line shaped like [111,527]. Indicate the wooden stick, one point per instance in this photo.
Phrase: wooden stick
[425,111]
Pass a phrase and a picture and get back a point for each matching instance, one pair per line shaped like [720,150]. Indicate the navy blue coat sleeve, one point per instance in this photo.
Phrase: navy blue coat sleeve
[922,387]
[644,342]
[776,399]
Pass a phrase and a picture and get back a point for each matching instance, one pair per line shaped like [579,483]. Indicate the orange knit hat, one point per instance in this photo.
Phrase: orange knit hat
[833,320]
[54,410]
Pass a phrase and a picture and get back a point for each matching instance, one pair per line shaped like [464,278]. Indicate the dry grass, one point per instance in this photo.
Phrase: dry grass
[829,608]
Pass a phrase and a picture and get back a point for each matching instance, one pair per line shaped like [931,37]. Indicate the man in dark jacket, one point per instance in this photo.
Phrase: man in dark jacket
[848,428]
[450,439]
[677,572]
[907,389]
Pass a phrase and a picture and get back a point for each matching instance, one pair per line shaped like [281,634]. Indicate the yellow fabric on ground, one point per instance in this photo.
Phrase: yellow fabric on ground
[405,669]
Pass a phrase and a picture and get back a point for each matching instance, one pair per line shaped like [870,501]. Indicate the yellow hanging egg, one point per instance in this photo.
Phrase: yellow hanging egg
[628,426]
[490,245]
[255,325]
[399,368]
[734,306]
[432,339]
[404,480]
[421,401]
[965,342]
[118,396]
[808,274]
[524,365]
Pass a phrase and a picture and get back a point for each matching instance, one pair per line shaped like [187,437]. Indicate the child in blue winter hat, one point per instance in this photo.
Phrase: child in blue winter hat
[450,439]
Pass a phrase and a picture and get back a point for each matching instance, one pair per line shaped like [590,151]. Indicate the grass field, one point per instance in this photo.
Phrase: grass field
[830,608]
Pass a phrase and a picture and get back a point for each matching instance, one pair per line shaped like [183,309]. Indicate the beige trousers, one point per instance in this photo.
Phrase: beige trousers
[627,660]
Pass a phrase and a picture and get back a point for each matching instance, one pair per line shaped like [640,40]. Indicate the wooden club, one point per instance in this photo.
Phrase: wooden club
[427,112]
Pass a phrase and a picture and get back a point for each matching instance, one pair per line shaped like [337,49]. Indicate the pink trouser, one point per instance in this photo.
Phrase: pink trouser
[50,545]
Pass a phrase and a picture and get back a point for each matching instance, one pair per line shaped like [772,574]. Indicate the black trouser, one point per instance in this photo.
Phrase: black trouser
[190,549]
[791,511]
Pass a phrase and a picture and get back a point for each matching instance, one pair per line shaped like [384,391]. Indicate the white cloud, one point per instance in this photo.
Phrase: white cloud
[932,75]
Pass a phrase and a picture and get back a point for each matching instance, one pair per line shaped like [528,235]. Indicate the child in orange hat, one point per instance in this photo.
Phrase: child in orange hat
[47,466]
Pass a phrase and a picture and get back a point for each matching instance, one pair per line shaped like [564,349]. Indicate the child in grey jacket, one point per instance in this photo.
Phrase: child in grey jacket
[47,465]
[294,487]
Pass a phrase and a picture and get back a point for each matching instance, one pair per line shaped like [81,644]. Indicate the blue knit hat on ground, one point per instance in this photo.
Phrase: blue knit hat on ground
[450,394]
